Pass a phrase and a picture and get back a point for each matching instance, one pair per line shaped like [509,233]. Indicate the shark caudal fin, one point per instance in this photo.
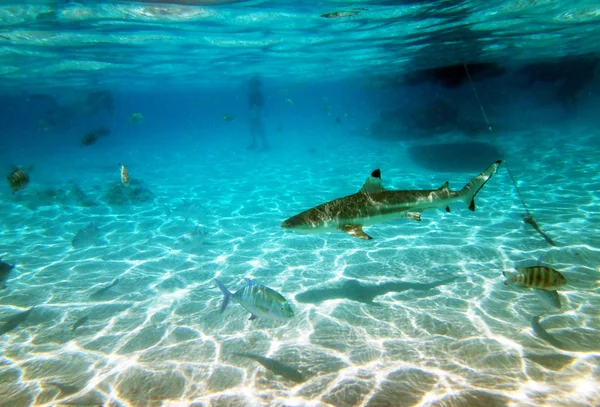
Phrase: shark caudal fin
[473,187]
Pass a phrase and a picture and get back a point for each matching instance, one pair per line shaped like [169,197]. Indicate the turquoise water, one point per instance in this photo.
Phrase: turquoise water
[445,331]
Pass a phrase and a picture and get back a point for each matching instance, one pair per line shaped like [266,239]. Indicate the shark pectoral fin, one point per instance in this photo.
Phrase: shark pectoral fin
[414,216]
[356,231]
[472,205]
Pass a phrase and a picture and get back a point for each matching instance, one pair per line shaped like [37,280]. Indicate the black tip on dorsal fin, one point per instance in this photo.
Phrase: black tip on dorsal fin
[376,173]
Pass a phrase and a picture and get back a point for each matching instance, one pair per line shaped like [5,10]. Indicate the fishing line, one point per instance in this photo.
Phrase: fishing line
[485,117]
[528,218]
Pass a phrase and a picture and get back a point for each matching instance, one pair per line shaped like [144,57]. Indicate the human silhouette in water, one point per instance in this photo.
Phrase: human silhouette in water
[256,102]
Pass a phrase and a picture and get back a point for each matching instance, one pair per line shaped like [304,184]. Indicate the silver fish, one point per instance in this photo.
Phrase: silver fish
[259,300]
[87,236]
[374,204]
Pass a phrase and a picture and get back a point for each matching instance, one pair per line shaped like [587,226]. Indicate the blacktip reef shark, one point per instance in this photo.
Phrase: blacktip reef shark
[374,204]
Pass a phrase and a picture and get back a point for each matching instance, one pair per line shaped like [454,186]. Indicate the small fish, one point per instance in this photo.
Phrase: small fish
[229,117]
[124,175]
[14,321]
[339,14]
[18,180]
[538,277]
[93,136]
[276,367]
[87,236]
[195,237]
[80,322]
[259,300]
[289,102]
[136,118]
[5,270]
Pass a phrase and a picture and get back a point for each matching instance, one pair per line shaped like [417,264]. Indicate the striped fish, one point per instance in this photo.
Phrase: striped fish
[17,180]
[537,277]
[259,300]
[124,175]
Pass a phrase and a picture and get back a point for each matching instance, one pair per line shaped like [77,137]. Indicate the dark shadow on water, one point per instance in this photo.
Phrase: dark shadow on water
[455,157]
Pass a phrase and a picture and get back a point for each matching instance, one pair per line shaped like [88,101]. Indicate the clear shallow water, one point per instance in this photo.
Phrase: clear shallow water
[202,206]
[157,337]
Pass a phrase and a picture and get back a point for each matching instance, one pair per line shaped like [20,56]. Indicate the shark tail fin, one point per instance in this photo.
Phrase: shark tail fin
[226,295]
[474,186]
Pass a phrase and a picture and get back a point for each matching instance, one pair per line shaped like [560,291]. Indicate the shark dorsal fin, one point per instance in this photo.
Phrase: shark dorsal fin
[373,183]
[443,187]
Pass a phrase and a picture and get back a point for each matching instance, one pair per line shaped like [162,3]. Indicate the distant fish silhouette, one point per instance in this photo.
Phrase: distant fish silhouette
[340,14]
[18,180]
[5,270]
[80,322]
[530,221]
[85,237]
[229,117]
[354,290]
[276,367]
[14,321]
[103,290]
[136,118]
[93,136]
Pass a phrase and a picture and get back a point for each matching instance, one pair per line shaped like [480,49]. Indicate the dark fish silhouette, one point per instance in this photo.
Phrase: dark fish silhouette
[14,321]
[18,180]
[354,290]
[5,270]
[229,118]
[340,14]
[276,367]
[530,221]
[93,136]
[103,290]
[80,322]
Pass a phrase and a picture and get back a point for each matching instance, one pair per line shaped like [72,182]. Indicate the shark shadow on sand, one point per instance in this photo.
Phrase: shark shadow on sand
[354,290]
[14,321]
